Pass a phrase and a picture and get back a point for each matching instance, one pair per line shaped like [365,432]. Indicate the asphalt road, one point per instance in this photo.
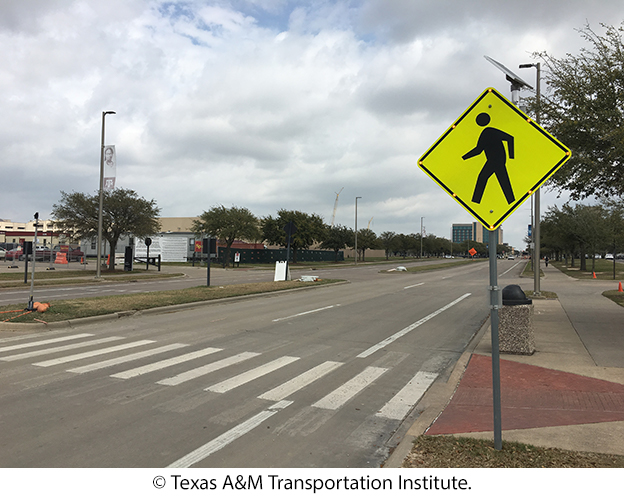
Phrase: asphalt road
[325,377]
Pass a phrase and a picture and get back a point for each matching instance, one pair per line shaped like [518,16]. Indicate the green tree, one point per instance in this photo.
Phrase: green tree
[310,229]
[584,109]
[123,213]
[366,239]
[388,241]
[337,238]
[228,224]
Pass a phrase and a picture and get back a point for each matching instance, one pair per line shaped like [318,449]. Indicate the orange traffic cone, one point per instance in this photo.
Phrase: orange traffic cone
[620,288]
[594,274]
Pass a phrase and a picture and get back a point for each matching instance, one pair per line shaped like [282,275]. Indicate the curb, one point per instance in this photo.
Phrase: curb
[434,402]
[24,327]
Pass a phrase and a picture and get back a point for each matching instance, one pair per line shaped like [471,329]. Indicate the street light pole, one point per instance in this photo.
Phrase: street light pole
[536,195]
[421,234]
[356,253]
[98,269]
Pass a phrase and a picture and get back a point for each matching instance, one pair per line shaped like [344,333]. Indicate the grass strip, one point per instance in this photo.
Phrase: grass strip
[603,269]
[458,452]
[615,296]
[104,305]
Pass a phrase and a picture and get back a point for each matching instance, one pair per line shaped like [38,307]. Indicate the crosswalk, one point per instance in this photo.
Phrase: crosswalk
[221,371]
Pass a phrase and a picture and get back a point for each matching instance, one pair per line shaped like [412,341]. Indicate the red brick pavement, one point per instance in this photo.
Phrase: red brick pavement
[531,397]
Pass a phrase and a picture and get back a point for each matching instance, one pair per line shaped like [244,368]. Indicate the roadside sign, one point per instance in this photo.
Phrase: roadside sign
[492,158]
[472,251]
[198,246]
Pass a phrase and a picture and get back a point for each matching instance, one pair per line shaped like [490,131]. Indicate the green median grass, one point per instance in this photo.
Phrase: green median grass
[94,306]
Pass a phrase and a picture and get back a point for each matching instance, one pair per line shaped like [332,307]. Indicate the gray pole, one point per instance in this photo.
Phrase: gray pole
[34,255]
[421,234]
[536,267]
[98,268]
[536,195]
[495,303]
[356,253]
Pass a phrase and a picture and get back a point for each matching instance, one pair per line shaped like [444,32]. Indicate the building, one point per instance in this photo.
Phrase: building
[473,231]
[14,232]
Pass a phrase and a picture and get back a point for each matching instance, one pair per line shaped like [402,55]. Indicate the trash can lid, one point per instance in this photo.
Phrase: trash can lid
[513,295]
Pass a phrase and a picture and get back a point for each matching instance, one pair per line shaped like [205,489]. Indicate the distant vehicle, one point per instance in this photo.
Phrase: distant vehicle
[2,252]
[42,253]
[15,253]
[511,256]
[609,256]
[74,253]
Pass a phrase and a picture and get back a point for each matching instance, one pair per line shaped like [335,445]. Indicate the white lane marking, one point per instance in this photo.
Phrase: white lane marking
[239,380]
[127,358]
[510,268]
[306,313]
[206,369]
[348,390]
[228,437]
[59,349]
[41,343]
[91,354]
[415,285]
[406,398]
[409,328]
[152,367]
[301,381]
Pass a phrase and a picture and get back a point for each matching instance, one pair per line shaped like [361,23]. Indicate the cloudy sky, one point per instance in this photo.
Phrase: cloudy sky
[264,104]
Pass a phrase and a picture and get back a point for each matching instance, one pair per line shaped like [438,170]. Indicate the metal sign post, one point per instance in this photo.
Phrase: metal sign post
[32,276]
[496,297]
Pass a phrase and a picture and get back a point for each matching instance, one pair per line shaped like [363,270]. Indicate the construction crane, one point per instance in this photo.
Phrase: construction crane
[335,206]
[369,222]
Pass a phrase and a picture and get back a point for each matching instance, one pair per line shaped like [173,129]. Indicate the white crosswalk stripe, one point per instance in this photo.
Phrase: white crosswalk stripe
[250,375]
[344,393]
[400,405]
[91,354]
[153,367]
[301,381]
[44,342]
[59,349]
[124,359]
[206,369]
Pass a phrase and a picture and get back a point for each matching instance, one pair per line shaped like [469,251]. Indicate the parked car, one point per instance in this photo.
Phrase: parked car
[42,253]
[74,253]
[15,253]
[2,252]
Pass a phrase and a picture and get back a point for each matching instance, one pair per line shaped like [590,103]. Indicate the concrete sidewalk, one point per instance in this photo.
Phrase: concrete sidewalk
[569,394]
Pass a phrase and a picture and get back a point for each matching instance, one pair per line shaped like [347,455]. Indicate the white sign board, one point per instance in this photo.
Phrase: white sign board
[281,271]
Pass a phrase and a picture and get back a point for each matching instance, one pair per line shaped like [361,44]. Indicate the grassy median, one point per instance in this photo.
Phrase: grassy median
[458,452]
[95,306]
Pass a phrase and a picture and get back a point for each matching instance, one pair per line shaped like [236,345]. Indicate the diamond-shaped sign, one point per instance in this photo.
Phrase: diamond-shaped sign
[493,158]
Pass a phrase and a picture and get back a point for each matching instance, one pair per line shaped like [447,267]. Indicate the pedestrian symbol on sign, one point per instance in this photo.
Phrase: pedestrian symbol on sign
[491,142]
[493,138]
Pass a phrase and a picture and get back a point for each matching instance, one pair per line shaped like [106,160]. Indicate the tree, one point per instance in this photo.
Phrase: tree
[585,110]
[389,241]
[228,224]
[367,239]
[337,238]
[310,229]
[123,213]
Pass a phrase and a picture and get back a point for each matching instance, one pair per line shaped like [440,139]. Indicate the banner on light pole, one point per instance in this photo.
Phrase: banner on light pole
[110,167]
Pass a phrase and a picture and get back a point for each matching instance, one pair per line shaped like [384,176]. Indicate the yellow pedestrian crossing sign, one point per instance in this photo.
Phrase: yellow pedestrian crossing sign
[492,158]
